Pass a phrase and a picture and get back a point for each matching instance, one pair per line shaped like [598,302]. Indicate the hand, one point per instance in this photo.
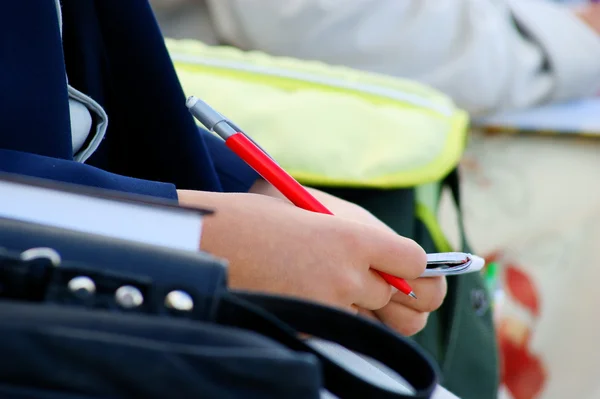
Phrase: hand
[338,206]
[272,246]
[590,15]
[406,315]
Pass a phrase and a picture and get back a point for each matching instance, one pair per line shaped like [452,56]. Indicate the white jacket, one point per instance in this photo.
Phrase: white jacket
[489,55]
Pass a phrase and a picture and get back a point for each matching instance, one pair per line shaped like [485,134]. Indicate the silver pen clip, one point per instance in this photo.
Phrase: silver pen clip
[452,263]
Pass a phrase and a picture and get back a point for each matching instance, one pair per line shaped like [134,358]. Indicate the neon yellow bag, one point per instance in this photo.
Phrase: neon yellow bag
[328,126]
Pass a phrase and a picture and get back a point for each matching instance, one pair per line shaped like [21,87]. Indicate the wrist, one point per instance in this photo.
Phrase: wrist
[263,187]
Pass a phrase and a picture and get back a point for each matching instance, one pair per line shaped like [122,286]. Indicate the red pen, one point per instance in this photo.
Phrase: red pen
[265,166]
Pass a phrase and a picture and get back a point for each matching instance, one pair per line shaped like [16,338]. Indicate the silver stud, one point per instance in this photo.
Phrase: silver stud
[82,286]
[41,253]
[179,300]
[129,297]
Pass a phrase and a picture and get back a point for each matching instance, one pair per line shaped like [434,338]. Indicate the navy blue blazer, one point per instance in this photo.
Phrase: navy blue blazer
[114,52]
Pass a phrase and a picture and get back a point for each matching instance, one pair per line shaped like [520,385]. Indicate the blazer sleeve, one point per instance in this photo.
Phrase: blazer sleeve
[488,55]
[234,174]
[77,173]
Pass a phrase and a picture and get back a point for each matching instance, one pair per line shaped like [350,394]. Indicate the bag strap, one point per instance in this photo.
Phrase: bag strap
[39,275]
[253,311]
[452,181]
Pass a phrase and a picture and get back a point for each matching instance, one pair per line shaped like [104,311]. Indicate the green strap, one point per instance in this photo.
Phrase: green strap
[429,218]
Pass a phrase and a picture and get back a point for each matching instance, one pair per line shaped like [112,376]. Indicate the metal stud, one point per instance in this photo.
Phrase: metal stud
[42,253]
[82,286]
[179,300]
[129,297]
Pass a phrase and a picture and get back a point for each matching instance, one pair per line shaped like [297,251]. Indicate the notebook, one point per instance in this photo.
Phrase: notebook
[576,118]
[111,214]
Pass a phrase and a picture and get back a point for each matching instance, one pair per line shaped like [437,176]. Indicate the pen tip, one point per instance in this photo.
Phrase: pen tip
[412,295]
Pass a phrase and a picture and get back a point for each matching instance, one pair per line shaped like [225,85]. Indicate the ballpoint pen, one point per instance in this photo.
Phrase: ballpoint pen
[265,166]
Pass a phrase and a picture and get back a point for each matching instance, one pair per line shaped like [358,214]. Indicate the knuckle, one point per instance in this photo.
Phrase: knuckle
[417,257]
[384,296]
[348,286]
[345,235]
[437,295]
[353,243]
[412,325]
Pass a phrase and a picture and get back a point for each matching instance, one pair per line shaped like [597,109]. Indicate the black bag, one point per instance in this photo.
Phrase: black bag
[117,320]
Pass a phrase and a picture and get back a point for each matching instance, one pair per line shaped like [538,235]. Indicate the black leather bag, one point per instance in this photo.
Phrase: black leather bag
[114,319]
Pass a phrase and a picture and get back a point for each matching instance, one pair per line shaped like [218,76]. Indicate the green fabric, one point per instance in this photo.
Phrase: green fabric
[382,132]
[460,335]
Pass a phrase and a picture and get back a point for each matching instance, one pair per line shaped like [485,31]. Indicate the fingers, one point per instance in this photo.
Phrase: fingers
[394,254]
[430,293]
[382,251]
[403,319]
[407,315]
[376,292]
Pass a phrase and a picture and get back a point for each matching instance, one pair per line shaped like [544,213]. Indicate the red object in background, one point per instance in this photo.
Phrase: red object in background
[520,287]
[291,189]
[522,372]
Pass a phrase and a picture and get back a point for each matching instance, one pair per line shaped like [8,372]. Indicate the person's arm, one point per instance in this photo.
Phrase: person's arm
[274,246]
[77,173]
[487,55]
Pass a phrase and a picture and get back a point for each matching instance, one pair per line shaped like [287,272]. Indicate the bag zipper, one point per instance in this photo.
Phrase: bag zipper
[389,94]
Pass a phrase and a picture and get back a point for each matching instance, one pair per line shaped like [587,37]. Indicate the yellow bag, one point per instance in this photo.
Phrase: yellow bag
[328,126]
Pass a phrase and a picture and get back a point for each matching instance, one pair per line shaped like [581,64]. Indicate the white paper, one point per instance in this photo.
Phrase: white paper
[370,370]
[582,116]
[143,223]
